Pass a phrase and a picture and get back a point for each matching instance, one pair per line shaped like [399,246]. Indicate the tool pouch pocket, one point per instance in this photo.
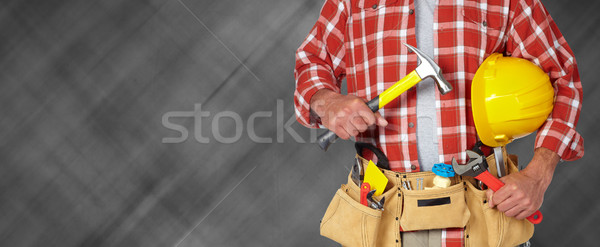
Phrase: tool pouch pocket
[438,208]
[490,227]
[348,222]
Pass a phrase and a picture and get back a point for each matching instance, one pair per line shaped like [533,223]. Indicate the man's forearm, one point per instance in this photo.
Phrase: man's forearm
[542,166]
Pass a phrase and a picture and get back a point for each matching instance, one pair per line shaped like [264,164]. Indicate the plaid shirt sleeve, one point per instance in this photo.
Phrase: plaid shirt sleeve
[532,34]
[320,59]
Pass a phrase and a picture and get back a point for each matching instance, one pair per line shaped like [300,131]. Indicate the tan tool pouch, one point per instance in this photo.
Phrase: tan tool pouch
[490,227]
[438,208]
[350,223]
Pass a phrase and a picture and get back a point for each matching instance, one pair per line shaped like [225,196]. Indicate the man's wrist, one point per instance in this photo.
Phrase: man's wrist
[542,166]
[318,102]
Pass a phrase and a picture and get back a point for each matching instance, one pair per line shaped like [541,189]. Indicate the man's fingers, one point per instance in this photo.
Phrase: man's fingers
[380,120]
[524,214]
[503,199]
[514,212]
[509,206]
[367,115]
[359,123]
[341,133]
[348,116]
[504,193]
[512,208]
[490,195]
[340,130]
[350,129]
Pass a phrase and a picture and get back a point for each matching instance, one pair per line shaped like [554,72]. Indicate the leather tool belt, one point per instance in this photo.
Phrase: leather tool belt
[461,205]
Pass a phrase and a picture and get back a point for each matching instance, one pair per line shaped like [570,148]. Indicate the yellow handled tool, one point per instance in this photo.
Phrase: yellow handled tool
[375,178]
[427,68]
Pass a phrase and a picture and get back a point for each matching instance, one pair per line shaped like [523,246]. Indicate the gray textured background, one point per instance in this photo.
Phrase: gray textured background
[84,87]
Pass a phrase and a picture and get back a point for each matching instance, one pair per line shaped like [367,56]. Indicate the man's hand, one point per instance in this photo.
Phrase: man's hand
[345,115]
[523,192]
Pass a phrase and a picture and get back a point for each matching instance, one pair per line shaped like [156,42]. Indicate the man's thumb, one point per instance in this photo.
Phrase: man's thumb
[490,200]
[380,120]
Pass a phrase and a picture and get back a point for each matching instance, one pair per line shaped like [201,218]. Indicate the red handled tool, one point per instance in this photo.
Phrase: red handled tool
[477,167]
[365,188]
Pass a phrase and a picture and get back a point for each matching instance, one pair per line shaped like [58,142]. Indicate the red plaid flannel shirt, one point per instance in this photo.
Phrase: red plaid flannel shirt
[361,41]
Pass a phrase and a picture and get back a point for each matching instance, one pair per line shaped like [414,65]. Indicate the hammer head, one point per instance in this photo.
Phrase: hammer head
[428,68]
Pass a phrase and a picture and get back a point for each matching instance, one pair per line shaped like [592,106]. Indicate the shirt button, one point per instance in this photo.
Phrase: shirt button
[484,23]
[413,167]
[410,125]
[374,6]
[411,11]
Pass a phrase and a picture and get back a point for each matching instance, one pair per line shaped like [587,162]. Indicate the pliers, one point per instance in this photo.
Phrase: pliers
[366,197]
[374,204]
[366,194]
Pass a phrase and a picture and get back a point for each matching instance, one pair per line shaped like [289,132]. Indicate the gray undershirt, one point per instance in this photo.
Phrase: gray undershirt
[427,140]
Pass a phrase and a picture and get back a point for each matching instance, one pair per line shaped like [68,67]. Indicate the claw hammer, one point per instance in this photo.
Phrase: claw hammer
[427,68]
[477,167]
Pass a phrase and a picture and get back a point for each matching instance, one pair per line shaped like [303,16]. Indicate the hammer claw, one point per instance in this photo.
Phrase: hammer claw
[428,68]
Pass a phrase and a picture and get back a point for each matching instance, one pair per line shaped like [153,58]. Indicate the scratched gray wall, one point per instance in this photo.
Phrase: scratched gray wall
[86,159]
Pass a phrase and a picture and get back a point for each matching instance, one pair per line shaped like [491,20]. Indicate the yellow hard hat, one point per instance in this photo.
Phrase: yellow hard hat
[511,98]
